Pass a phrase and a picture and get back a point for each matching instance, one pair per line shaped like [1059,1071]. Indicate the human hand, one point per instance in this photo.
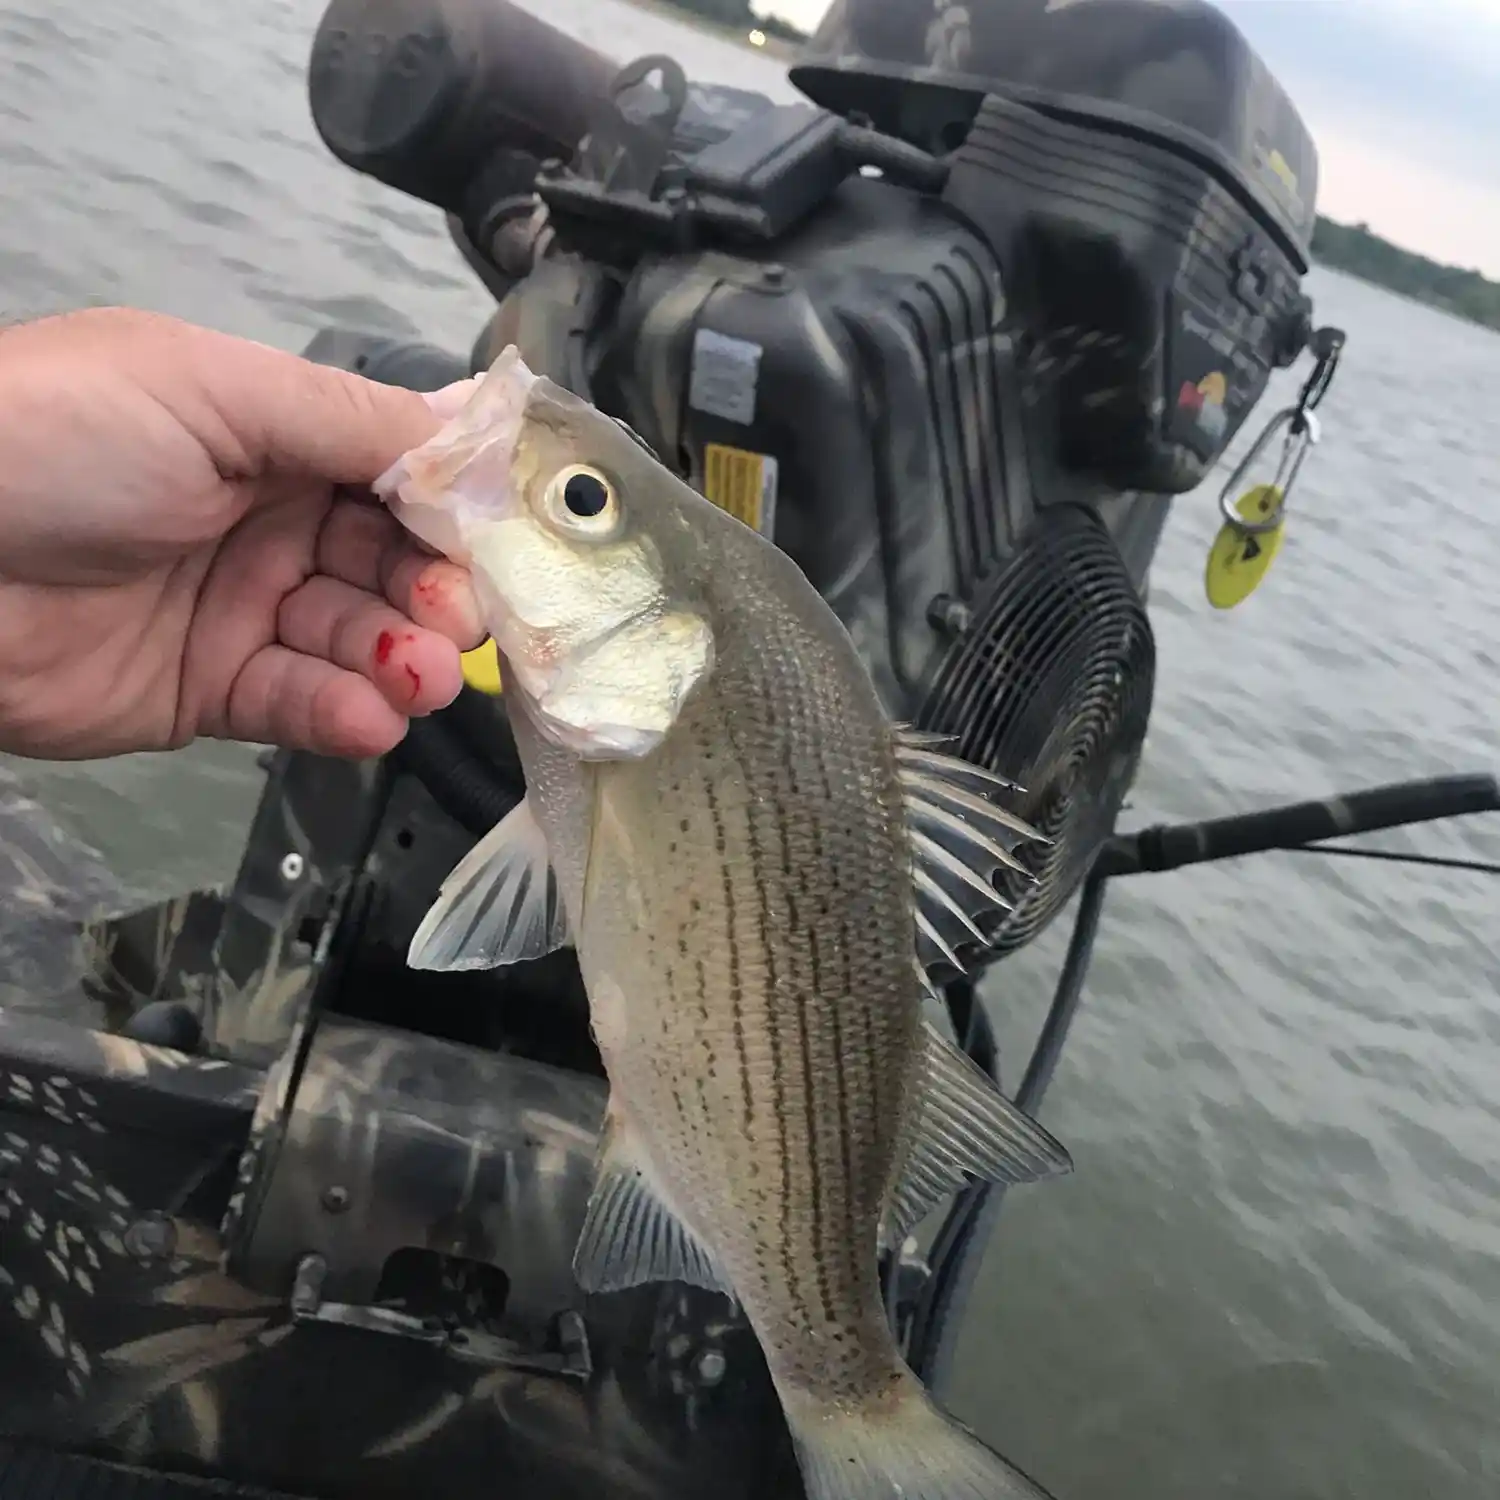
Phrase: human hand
[187,546]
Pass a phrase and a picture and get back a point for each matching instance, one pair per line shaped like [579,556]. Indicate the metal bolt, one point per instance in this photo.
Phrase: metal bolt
[151,1237]
[307,1285]
[773,275]
[712,1366]
[291,868]
[335,1199]
[952,616]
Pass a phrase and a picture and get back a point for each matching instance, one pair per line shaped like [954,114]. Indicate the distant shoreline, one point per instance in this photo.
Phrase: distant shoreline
[1356,251]
[781,41]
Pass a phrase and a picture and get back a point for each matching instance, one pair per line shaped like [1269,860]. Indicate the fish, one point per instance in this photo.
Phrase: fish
[758,870]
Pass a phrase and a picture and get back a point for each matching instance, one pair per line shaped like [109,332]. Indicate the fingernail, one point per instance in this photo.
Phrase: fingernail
[452,399]
[473,616]
[443,598]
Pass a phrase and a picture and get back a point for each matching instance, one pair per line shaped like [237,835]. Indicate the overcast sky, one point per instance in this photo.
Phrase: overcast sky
[1403,98]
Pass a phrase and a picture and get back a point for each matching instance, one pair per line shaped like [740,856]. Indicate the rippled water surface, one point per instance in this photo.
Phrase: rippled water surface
[1276,1273]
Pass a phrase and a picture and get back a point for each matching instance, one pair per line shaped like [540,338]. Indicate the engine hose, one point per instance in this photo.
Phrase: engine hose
[481,724]
[472,790]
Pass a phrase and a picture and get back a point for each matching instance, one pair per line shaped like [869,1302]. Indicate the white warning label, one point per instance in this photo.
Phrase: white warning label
[723,377]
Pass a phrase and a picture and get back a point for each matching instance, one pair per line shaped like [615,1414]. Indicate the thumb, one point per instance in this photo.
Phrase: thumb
[329,423]
[350,430]
[252,407]
[452,399]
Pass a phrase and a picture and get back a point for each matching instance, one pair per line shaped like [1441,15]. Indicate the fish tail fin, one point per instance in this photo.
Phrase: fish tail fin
[904,1448]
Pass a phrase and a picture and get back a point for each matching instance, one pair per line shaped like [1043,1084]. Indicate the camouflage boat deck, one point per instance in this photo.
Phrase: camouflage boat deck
[327,1257]
[36,1474]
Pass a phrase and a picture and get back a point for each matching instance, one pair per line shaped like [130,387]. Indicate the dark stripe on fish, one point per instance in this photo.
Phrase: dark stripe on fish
[732,945]
[819,1219]
[849,986]
[702,976]
[807,991]
[840,1082]
[773,985]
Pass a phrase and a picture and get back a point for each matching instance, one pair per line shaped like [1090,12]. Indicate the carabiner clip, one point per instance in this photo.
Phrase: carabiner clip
[1303,431]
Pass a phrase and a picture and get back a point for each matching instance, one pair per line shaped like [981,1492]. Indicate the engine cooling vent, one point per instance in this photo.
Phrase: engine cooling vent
[1050,685]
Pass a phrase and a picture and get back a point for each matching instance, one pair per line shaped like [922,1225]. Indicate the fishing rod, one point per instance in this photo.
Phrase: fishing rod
[927,1300]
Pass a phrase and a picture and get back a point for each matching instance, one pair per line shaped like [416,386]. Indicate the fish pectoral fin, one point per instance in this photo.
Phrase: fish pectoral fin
[501,903]
[964,1129]
[631,1235]
[959,837]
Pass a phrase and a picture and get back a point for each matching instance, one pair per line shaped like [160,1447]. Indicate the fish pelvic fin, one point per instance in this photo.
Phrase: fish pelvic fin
[500,905]
[631,1235]
[900,1446]
[963,1128]
[960,835]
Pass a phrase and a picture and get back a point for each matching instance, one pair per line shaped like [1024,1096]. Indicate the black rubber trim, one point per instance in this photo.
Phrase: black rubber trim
[38,1474]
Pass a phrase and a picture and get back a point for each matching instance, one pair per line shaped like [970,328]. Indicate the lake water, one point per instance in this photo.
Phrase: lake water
[1276,1272]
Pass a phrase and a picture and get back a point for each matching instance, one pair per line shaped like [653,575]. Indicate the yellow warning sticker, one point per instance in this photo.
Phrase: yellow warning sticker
[743,483]
[481,668]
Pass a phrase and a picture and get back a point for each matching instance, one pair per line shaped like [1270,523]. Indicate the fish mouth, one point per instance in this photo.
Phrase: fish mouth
[597,703]
[551,670]
[460,478]
[572,627]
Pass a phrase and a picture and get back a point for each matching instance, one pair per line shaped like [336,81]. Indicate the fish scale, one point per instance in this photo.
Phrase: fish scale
[750,861]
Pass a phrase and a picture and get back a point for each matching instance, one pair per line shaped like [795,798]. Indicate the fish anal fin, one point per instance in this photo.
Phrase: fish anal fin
[964,1129]
[500,905]
[631,1235]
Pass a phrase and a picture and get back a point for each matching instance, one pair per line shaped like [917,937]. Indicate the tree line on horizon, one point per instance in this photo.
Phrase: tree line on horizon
[1356,249]
[737,13]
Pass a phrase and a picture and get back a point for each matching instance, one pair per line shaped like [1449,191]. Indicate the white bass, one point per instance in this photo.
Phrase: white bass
[749,858]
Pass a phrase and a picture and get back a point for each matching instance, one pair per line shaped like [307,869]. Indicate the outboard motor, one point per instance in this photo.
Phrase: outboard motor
[951,334]
[952,331]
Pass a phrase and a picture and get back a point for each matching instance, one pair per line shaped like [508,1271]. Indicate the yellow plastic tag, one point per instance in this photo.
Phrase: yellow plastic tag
[741,482]
[482,668]
[1238,560]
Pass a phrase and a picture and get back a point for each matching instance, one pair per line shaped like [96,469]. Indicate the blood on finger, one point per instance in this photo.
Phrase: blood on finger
[386,644]
[431,591]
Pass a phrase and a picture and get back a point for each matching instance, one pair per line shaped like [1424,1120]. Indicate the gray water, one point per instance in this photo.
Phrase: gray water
[1276,1272]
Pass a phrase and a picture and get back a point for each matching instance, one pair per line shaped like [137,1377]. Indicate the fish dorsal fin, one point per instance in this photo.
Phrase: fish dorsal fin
[959,838]
[501,903]
[964,1128]
[637,438]
[630,1234]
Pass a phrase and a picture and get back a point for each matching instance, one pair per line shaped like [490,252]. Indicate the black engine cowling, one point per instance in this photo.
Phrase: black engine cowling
[955,365]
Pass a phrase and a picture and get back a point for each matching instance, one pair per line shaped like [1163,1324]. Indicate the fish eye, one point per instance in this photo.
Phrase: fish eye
[582,499]
[585,494]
